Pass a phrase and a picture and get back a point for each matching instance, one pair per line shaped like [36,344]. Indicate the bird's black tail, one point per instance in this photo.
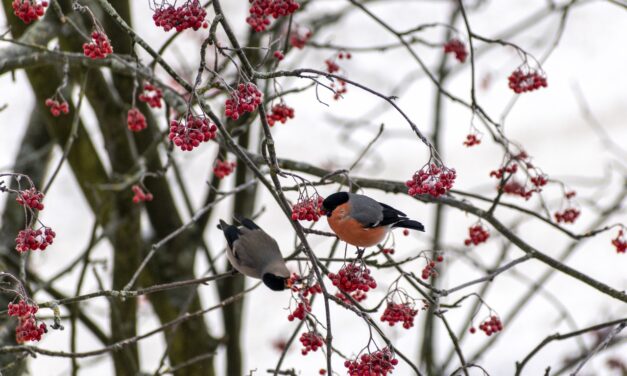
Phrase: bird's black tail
[408,223]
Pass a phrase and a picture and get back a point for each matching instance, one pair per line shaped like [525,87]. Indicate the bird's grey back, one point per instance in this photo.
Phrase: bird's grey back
[365,210]
[255,248]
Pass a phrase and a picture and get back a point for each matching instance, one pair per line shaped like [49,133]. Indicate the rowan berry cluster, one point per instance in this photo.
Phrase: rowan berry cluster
[29,10]
[388,251]
[32,240]
[190,15]
[308,208]
[569,215]
[456,47]
[22,309]
[302,308]
[99,47]
[221,169]
[620,242]
[188,134]
[491,325]
[429,269]
[280,112]
[472,140]
[151,95]
[27,328]
[299,37]
[261,10]
[245,99]
[30,197]
[530,80]
[311,341]
[508,169]
[358,296]
[431,179]
[278,55]
[140,195]
[378,363]
[516,189]
[57,108]
[400,312]
[352,277]
[477,234]
[135,120]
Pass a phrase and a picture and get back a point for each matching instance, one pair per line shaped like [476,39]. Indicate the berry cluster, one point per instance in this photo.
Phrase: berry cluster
[31,198]
[32,240]
[358,296]
[278,55]
[477,234]
[301,310]
[57,108]
[29,10]
[222,169]
[261,10]
[140,195]
[332,66]
[308,208]
[245,99]
[378,363]
[99,47]
[395,312]
[508,169]
[472,140]
[491,325]
[311,342]
[429,269]
[431,179]
[539,181]
[299,37]
[190,15]
[22,309]
[280,112]
[353,277]
[457,47]
[521,82]
[135,120]
[190,133]
[569,215]
[620,242]
[27,329]
[516,189]
[151,95]
[388,251]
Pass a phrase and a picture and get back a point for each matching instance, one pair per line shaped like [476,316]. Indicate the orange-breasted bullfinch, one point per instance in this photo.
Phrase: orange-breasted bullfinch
[256,254]
[362,221]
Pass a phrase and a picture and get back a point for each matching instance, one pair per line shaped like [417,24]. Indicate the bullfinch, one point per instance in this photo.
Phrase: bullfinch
[362,221]
[256,254]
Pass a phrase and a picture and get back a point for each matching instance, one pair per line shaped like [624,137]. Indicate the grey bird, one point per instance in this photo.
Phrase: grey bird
[256,254]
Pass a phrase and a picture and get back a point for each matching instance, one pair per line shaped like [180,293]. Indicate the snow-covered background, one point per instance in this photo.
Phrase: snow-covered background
[591,56]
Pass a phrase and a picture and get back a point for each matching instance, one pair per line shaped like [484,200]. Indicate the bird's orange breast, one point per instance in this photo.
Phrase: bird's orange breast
[353,232]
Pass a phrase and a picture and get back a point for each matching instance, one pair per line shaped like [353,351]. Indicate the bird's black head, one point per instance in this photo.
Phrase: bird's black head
[333,201]
[274,282]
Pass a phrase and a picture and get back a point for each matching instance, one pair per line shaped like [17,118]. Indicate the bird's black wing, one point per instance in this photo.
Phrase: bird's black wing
[247,222]
[391,215]
[231,232]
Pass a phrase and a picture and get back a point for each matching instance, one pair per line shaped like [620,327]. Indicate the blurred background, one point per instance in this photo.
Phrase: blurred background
[574,130]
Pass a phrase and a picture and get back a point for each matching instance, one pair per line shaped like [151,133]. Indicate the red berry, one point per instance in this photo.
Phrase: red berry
[99,47]
[431,179]
[245,99]
[403,312]
[261,10]
[189,133]
[190,15]
[521,82]
[458,48]
[280,112]
[477,234]
[308,208]
[152,96]
[222,169]
[569,215]
[28,10]
[31,198]
[140,195]
[135,120]
[620,242]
